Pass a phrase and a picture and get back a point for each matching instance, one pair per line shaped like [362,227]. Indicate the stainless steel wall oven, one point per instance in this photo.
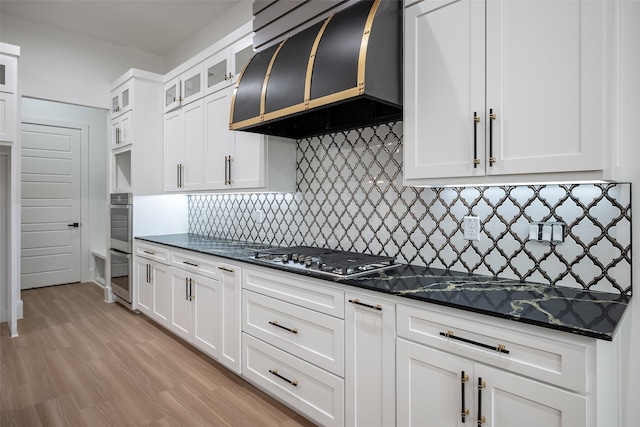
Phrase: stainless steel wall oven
[121,245]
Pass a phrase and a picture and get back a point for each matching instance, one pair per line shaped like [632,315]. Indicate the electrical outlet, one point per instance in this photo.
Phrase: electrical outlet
[258,216]
[471,227]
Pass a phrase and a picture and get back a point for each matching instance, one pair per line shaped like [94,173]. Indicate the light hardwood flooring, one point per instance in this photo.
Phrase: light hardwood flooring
[81,362]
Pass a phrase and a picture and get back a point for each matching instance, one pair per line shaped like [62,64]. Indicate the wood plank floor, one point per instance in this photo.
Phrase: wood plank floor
[81,362]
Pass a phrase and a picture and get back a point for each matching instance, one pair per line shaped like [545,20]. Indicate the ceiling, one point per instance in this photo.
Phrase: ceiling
[151,26]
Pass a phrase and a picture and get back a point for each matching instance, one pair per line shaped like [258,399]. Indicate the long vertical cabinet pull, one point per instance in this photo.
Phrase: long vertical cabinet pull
[186,288]
[492,117]
[190,290]
[481,385]
[476,120]
[178,175]
[181,175]
[226,170]
[464,411]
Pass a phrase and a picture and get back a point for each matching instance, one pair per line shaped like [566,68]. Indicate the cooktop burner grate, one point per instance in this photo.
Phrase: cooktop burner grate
[330,262]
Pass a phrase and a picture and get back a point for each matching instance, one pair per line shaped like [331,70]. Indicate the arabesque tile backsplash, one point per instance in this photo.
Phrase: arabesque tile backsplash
[350,196]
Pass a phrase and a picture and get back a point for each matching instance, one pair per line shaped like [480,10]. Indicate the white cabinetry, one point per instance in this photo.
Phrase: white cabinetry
[243,160]
[183,89]
[293,342]
[135,161]
[152,293]
[223,68]
[457,372]
[370,361]
[197,297]
[8,100]
[503,91]
[184,137]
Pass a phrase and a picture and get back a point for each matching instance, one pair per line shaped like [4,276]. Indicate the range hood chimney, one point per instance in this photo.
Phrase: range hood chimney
[340,74]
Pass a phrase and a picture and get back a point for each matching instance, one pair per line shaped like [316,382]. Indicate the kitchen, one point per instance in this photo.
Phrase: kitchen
[388,221]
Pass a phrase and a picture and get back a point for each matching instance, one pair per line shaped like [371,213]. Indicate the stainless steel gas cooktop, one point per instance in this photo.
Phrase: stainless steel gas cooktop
[329,262]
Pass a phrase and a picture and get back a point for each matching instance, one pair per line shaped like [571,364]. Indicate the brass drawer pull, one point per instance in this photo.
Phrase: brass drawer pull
[500,348]
[275,323]
[357,302]
[275,372]
[190,263]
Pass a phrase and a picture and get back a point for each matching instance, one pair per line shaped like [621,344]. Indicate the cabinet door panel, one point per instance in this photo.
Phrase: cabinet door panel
[173,149]
[510,400]
[145,288]
[181,306]
[429,390]
[207,306]
[192,84]
[7,117]
[217,72]
[161,292]
[172,95]
[544,83]
[230,317]
[193,172]
[444,75]
[218,138]
[369,361]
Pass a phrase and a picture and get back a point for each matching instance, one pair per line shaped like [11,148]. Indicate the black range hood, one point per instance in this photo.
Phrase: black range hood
[340,74]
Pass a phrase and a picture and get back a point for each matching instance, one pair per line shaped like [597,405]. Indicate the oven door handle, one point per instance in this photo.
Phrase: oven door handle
[118,253]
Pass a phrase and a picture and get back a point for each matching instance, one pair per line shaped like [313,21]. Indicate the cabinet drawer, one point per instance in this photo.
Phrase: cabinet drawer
[556,362]
[312,336]
[296,290]
[314,392]
[199,264]
[153,252]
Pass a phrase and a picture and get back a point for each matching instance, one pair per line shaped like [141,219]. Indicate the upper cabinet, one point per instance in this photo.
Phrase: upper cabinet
[224,68]
[135,163]
[503,91]
[185,88]
[8,92]
[121,99]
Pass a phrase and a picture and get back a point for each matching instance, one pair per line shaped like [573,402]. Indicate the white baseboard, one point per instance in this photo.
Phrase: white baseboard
[20,310]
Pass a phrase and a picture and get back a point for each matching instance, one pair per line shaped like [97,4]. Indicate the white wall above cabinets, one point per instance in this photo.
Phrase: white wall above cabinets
[501,92]
[135,160]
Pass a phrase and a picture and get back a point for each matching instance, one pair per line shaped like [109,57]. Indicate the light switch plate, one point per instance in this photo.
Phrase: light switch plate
[471,227]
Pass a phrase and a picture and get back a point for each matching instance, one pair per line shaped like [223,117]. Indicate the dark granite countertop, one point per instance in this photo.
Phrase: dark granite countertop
[589,313]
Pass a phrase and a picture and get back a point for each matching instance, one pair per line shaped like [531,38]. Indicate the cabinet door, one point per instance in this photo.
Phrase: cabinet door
[122,130]
[510,400]
[161,292]
[248,162]
[240,54]
[207,305]
[545,85]
[429,387]
[145,286]
[369,361]
[172,95]
[444,87]
[230,317]
[218,139]
[173,149]
[193,139]
[181,303]
[217,72]
[8,70]
[7,117]
[122,99]
[192,84]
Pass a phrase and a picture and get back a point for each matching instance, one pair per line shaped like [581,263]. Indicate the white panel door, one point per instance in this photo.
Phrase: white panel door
[218,139]
[444,77]
[50,205]
[193,172]
[545,85]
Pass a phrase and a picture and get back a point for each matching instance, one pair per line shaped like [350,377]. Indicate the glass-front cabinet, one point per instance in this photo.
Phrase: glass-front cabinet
[8,65]
[183,89]
[224,68]
[121,100]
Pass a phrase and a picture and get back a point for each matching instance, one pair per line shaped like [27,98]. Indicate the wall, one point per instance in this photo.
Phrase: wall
[220,27]
[94,220]
[66,67]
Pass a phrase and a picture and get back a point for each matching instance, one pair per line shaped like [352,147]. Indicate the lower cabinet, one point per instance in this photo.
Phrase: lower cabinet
[436,388]
[370,326]
[154,292]
[195,306]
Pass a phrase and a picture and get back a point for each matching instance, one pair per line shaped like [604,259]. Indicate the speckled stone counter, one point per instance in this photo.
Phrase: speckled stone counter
[589,313]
